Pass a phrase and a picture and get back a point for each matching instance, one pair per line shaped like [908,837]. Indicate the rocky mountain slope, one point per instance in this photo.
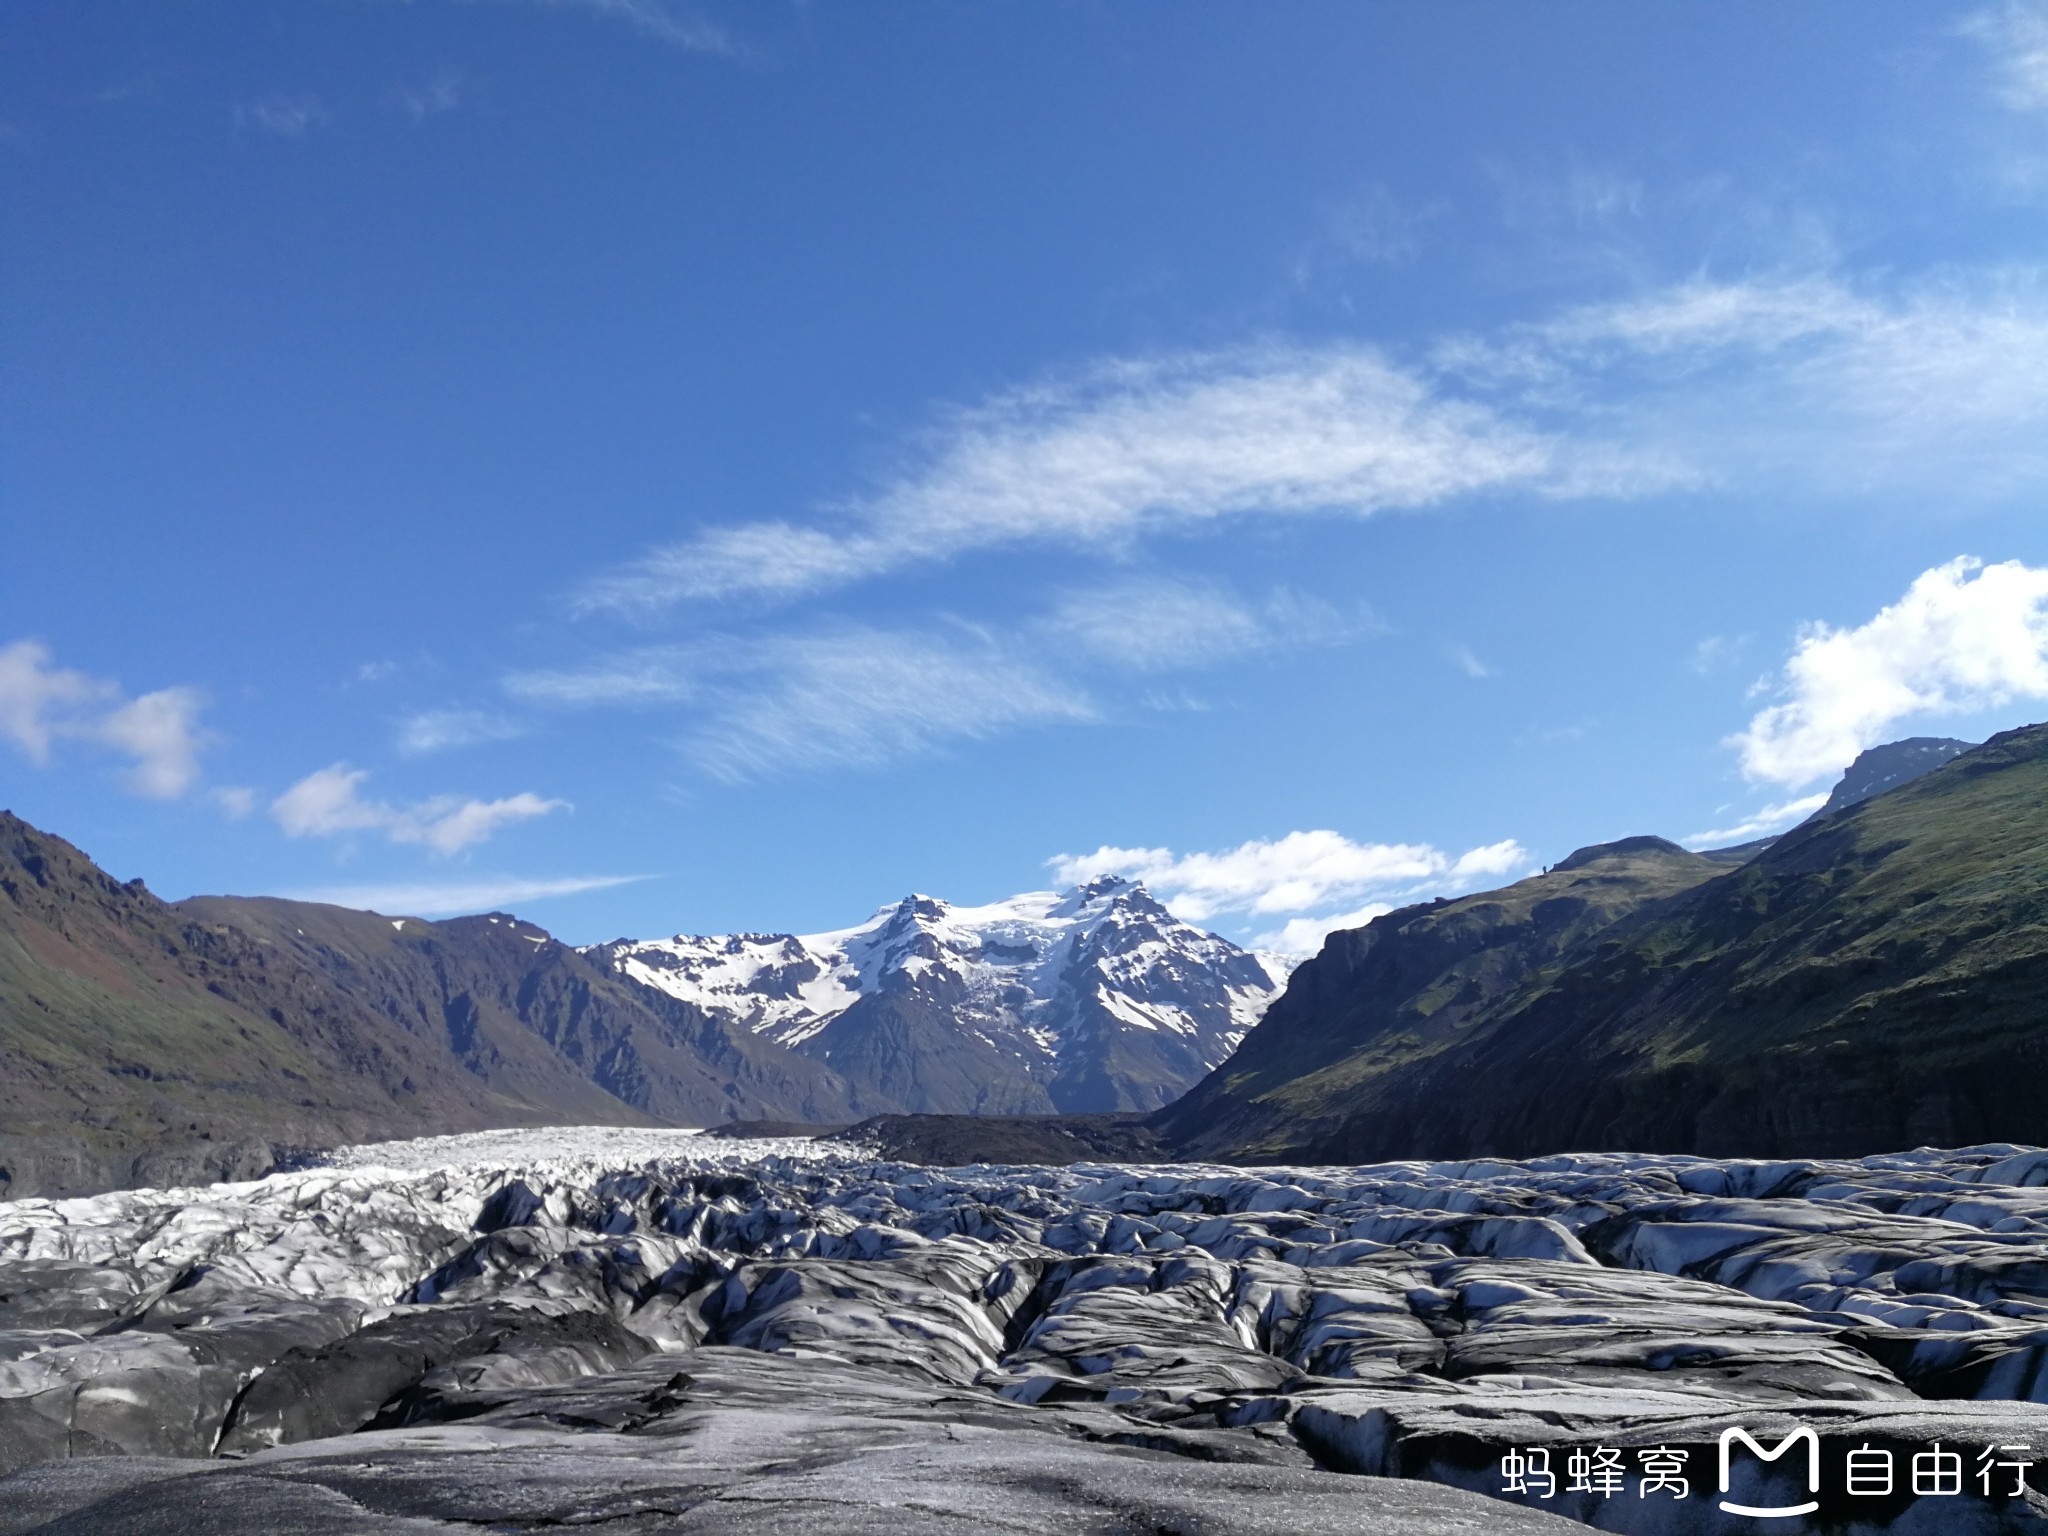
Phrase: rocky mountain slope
[1877,978]
[1878,769]
[142,1041]
[1092,1000]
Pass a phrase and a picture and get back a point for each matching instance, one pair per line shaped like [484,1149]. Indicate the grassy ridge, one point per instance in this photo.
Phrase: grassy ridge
[142,1041]
[1876,979]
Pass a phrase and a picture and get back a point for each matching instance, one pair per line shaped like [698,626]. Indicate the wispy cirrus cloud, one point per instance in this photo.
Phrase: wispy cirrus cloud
[287,116]
[1298,873]
[1772,818]
[1810,380]
[2015,35]
[43,705]
[675,25]
[439,93]
[1467,661]
[1369,227]
[327,803]
[442,730]
[1135,447]
[1165,623]
[842,696]
[453,898]
[1965,636]
[857,695]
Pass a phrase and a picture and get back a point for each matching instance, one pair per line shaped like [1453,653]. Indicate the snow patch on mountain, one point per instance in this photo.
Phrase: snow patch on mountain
[1040,977]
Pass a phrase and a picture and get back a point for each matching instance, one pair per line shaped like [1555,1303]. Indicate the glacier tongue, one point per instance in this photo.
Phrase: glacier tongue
[658,1332]
[1056,990]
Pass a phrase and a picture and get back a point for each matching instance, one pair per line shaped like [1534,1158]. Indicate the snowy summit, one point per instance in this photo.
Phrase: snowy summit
[1097,998]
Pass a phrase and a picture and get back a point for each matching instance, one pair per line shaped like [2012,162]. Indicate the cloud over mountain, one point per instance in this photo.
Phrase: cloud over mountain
[43,705]
[1965,636]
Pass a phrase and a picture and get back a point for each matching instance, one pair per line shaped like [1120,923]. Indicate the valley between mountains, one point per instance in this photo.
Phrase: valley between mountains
[1603,1164]
[1870,980]
[150,1042]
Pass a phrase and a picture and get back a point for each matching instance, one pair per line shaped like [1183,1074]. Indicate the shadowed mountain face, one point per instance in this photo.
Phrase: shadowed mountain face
[1887,767]
[142,1041]
[1381,1002]
[1878,978]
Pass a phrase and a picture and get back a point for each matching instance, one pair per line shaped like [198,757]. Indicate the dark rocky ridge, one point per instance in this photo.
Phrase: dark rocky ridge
[953,1141]
[1887,767]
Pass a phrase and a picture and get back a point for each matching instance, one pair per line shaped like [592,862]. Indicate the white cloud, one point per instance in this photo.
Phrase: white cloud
[236,801]
[1134,447]
[161,732]
[443,900]
[441,93]
[325,803]
[657,675]
[1772,818]
[287,116]
[439,730]
[1294,873]
[847,696]
[665,22]
[1155,623]
[1771,381]
[1305,935]
[1370,227]
[2016,36]
[861,697]
[42,704]
[449,829]
[38,701]
[1467,661]
[1489,860]
[851,695]
[1965,637]
[1715,652]
[1806,381]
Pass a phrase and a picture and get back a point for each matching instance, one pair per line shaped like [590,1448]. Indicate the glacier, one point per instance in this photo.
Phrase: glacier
[666,1331]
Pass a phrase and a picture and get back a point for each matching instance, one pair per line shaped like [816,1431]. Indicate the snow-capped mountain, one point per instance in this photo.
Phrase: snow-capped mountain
[1092,999]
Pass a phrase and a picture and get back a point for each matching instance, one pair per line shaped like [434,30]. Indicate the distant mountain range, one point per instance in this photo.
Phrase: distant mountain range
[1875,979]
[1091,1000]
[146,1041]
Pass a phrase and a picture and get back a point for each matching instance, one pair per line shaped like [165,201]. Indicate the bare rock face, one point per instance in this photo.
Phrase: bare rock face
[653,1331]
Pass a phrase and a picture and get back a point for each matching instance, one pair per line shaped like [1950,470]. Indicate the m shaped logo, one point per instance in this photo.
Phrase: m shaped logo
[1812,1441]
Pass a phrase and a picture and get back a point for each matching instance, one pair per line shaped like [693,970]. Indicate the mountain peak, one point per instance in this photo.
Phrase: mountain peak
[1094,998]
[1592,853]
[1880,768]
[1104,885]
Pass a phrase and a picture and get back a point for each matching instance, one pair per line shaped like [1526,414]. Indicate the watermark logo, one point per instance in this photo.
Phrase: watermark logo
[1864,1471]
[1803,1435]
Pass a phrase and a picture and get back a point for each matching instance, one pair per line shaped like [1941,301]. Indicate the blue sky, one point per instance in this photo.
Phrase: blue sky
[691,468]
